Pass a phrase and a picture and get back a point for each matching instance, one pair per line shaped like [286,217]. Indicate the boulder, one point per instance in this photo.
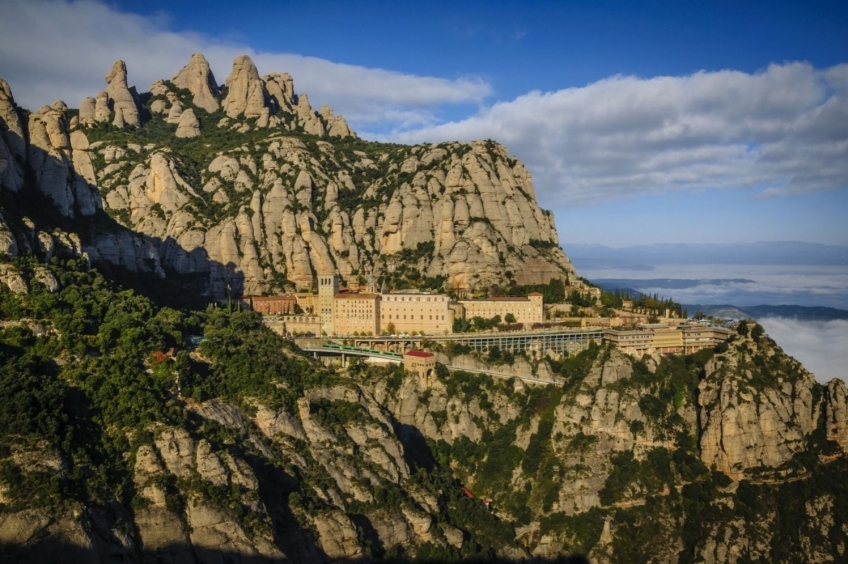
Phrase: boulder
[188,126]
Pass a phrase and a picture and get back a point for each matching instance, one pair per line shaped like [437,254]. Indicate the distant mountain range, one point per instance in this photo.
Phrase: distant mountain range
[665,283]
[642,257]
[802,313]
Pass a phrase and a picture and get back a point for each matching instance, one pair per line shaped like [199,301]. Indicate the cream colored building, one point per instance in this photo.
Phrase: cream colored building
[428,314]
[698,336]
[421,363]
[526,310]
[356,313]
[635,341]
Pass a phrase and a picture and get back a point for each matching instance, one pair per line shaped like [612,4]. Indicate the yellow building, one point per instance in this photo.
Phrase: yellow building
[356,313]
[428,314]
[667,340]
[526,310]
[308,302]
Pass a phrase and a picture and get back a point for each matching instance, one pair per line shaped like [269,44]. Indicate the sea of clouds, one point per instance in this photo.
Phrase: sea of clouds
[805,285]
[821,346]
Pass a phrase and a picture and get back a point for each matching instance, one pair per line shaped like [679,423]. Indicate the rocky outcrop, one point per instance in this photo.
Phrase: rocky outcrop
[197,78]
[464,213]
[188,126]
[49,156]
[245,91]
[86,195]
[121,100]
[478,226]
[8,242]
[87,112]
[12,141]
[751,418]
[836,413]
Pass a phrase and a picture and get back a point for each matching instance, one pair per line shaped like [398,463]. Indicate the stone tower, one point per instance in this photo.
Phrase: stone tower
[328,287]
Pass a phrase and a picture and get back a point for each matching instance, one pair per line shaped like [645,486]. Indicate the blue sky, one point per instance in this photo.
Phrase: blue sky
[641,122]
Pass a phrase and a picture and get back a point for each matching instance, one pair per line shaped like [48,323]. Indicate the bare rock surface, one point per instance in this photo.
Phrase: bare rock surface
[188,126]
[197,78]
[122,100]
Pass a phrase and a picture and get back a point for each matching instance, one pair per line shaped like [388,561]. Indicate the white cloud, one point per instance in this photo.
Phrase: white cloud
[821,346]
[783,130]
[804,285]
[53,49]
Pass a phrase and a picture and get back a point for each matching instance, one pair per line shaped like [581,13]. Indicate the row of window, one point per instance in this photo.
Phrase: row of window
[412,317]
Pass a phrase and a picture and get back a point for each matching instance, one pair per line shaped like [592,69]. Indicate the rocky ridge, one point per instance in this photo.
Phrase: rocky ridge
[248,187]
[746,413]
[242,449]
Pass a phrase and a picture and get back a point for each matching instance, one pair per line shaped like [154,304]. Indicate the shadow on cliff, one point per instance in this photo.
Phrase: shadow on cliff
[55,551]
[210,280]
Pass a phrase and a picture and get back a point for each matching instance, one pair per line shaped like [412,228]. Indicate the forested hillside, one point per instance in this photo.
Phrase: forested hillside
[123,441]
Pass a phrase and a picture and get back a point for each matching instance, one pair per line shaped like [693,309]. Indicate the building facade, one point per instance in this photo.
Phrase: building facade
[308,302]
[526,310]
[272,305]
[421,363]
[699,336]
[428,314]
[328,287]
[356,313]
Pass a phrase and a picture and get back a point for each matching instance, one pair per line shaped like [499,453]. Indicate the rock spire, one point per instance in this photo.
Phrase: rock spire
[246,94]
[197,78]
[121,98]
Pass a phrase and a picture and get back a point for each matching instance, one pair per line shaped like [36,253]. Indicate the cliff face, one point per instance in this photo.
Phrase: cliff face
[250,188]
[696,459]
[120,444]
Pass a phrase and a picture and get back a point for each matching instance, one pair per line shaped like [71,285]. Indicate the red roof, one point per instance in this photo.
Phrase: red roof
[536,294]
[419,354]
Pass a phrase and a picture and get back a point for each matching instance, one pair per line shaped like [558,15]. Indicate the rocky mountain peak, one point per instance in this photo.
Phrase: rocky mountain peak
[12,140]
[246,93]
[121,100]
[197,78]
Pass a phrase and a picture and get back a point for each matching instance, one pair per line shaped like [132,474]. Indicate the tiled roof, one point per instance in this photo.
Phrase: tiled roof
[419,354]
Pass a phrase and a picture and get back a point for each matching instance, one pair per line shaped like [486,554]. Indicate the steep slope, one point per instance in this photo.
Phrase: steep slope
[118,443]
[250,188]
[732,455]
[121,441]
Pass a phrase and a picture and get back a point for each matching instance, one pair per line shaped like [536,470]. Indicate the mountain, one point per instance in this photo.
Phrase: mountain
[245,186]
[801,313]
[140,424]
[641,257]
[122,442]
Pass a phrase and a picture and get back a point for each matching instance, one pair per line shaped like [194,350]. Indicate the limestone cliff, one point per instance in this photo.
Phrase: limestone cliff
[274,192]
[128,444]
[682,451]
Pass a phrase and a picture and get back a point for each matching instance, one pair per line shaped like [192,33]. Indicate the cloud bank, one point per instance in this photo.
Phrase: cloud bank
[821,346]
[783,130]
[53,49]
[805,285]
[780,131]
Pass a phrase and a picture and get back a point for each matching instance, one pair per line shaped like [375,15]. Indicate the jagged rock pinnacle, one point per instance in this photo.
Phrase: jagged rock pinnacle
[197,78]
